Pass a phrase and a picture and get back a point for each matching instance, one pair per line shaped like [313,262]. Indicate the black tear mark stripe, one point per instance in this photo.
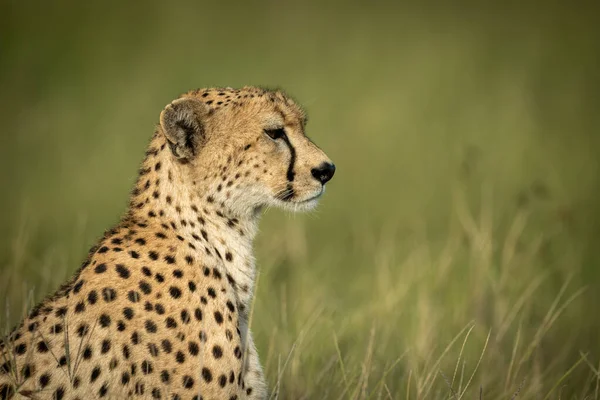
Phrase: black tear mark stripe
[290,172]
[289,192]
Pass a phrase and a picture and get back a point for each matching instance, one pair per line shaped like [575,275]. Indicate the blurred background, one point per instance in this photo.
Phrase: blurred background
[455,253]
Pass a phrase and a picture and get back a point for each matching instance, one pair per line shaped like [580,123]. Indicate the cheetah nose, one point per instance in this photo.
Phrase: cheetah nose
[324,172]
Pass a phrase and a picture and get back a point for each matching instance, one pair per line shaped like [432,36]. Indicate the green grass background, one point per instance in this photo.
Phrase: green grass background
[454,251]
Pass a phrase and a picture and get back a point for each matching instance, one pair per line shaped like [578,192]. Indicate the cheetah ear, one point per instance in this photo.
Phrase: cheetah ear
[182,123]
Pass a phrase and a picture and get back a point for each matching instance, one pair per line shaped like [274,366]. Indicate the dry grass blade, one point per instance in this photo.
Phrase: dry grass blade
[424,387]
[460,354]
[449,384]
[478,363]
[341,361]
[564,376]
[515,394]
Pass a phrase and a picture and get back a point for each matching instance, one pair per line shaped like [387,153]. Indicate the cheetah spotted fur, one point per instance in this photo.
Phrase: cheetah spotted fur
[160,307]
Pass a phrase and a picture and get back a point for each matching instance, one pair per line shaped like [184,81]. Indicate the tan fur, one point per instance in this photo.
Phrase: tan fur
[160,307]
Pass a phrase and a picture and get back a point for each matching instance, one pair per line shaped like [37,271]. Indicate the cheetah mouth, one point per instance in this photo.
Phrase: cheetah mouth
[290,196]
[310,199]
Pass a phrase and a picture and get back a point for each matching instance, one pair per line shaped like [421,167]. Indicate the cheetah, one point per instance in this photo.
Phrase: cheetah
[160,307]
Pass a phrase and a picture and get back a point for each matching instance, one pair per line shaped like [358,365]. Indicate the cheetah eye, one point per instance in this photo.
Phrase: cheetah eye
[275,133]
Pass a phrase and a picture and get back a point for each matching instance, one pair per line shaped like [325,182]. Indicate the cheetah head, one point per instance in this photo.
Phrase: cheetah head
[246,149]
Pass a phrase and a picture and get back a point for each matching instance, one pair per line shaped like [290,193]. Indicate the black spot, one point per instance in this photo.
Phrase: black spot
[170,322]
[104,320]
[188,382]
[152,349]
[198,314]
[185,317]
[180,357]
[153,255]
[103,390]
[156,393]
[42,347]
[146,271]
[147,367]
[126,351]
[134,254]
[135,338]
[125,378]
[166,346]
[211,292]
[229,256]
[140,241]
[80,307]
[59,393]
[218,317]
[193,348]
[206,374]
[237,352]
[92,297]
[105,346]
[87,353]
[230,280]
[128,312]
[7,391]
[21,348]
[100,268]
[189,260]
[77,286]
[44,380]
[123,271]
[102,249]
[177,273]
[145,287]
[95,374]
[120,326]
[222,381]
[160,310]
[230,306]
[216,273]
[26,371]
[6,367]
[175,292]
[133,296]
[170,259]
[164,376]
[150,326]
[109,294]
[217,352]
[159,278]
[192,286]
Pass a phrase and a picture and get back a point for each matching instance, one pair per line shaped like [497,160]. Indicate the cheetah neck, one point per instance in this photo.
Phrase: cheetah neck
[165,198]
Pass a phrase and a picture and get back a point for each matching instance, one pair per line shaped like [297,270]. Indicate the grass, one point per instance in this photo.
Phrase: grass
[454,254]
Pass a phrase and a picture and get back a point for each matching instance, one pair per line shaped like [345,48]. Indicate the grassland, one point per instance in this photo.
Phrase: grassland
[455,252]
